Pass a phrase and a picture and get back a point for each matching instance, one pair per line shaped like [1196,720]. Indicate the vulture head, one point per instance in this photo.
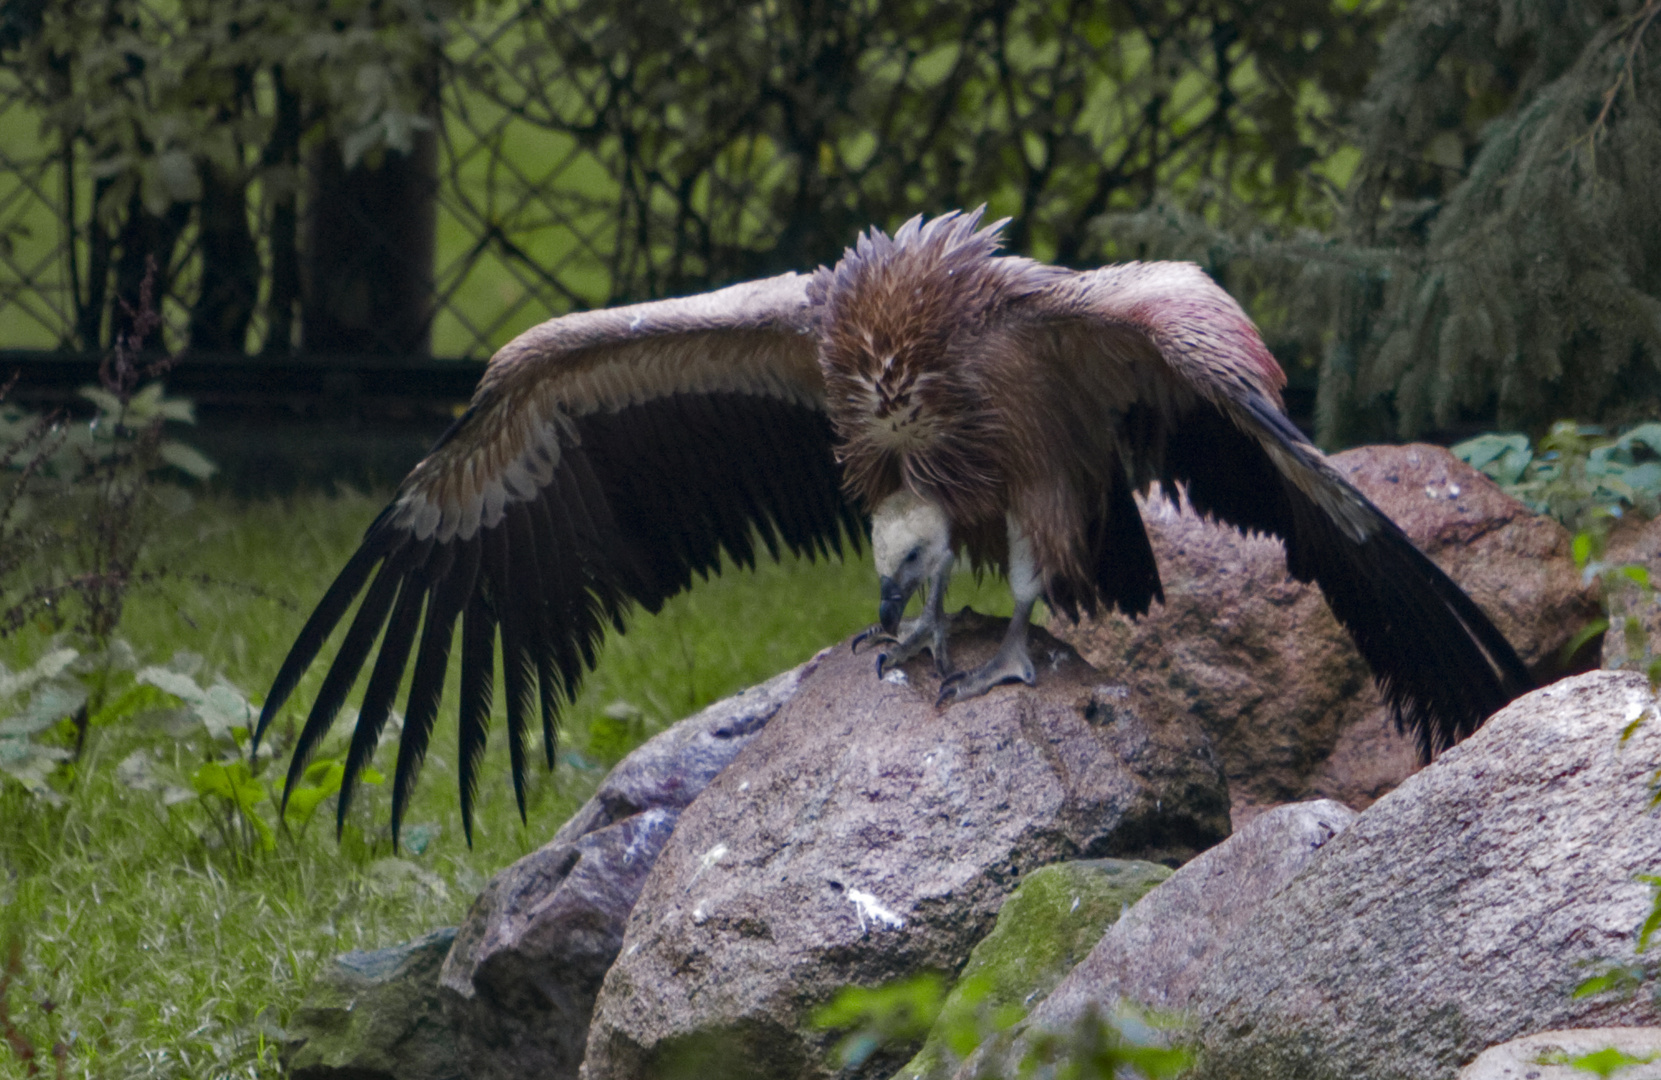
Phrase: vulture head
[911,540]
[972,404]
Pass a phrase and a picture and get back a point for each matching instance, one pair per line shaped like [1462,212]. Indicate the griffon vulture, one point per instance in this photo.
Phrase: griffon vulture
[971,403]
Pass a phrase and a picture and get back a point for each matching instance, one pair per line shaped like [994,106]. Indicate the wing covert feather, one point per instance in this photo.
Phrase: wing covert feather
[605,459]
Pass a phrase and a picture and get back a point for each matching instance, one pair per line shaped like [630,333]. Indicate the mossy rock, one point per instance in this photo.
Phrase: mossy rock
[376,1016]
[1048,924]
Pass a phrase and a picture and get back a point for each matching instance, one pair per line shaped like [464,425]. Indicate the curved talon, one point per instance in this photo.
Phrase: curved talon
[882,658]
[870,633]
[948,687]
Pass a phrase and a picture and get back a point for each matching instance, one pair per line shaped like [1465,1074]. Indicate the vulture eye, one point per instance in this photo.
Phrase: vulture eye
[913,555]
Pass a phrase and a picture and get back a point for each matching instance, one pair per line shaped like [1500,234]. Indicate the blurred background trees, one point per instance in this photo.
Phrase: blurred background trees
[1497,257]
[1440,210]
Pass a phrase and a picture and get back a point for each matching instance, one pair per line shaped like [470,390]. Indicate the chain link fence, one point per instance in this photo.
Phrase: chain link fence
[432,177]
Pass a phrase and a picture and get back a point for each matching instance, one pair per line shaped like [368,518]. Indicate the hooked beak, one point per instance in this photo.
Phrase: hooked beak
[892,605]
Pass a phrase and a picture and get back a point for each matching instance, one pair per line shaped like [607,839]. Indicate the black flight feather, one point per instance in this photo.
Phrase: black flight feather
[1440,664]
[520,608]
[345,588]
[360,637]
[478,673]
[383,687]
[449,593]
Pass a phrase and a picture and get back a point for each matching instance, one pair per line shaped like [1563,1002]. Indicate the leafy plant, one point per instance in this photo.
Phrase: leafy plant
[224,785]
[891,1015]
[45,708]
[96,487]
[904,1011]
[1100,1048]
[321,780]
[1577,473]
[37,699]
[1588,480]
[1603,1063]
[80,505]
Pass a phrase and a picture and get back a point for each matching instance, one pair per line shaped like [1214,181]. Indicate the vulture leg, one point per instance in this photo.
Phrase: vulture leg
[927,631]
[1012,662]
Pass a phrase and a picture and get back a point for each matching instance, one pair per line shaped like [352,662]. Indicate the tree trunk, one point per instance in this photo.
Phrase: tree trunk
[230,266]
[283,152]
[144,236]
[369,252]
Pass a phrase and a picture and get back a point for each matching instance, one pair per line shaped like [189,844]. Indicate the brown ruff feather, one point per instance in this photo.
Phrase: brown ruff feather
[902,321]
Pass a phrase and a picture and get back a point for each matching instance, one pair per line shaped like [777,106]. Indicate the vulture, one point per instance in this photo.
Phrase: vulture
[970,404]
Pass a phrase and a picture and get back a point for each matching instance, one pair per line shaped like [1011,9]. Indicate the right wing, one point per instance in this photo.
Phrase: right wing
[606,457]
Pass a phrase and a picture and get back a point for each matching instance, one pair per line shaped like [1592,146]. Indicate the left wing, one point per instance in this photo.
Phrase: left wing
[606,457]
[1152,372]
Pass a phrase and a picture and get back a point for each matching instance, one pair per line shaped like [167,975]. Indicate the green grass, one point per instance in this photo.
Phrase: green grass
[151,948]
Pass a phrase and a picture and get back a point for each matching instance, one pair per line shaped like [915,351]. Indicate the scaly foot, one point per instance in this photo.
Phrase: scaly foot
[1011,664]
[927,632]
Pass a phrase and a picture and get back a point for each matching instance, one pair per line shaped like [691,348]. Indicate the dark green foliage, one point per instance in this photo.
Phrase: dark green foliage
[80,501]
[1500,257]
[79,505]
[1577,473]
[895,1014]
[1539,293]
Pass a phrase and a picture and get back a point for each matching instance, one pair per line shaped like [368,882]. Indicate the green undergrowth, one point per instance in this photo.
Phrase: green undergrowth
[157,918]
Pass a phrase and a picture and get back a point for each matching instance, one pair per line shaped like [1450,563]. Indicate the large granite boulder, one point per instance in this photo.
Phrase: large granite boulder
[521,979]
[1259,659]
[865,834]
[1461,910]
[1156,953]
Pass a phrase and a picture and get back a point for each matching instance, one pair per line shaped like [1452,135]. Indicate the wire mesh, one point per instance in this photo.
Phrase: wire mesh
[583,153]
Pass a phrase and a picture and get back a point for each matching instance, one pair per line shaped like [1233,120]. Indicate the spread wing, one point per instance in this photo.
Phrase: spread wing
[606,457]
[1161,373]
